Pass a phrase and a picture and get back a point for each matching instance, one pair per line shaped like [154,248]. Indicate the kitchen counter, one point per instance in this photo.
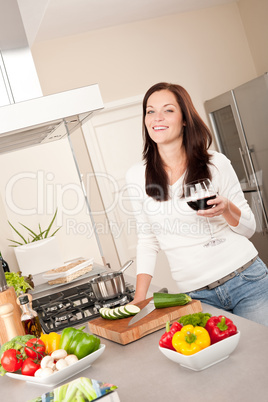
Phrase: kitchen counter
[143,373]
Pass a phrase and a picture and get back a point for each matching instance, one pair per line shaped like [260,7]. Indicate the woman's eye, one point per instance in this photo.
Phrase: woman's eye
[169,110]
[150,111]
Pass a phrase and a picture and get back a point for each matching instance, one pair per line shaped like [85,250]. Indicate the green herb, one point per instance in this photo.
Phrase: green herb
[196,319]
[43,234]
[20,283]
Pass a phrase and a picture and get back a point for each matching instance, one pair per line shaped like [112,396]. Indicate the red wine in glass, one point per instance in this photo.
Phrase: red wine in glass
[201,203]
[197,194]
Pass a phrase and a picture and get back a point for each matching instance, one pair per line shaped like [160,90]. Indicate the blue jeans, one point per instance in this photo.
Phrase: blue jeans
[245,295]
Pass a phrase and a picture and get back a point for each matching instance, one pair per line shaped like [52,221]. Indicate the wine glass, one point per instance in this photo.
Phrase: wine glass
[197,194]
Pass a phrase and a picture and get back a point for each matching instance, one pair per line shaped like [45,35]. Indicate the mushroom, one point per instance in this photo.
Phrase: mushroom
[61,364]
[59,354]
[71,359]
[47,361]
[42,373]
[46,372]
[38,373]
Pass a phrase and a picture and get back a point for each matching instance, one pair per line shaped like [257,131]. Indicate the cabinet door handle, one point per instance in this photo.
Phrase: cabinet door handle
[259,219]
[258,190]
[244,165]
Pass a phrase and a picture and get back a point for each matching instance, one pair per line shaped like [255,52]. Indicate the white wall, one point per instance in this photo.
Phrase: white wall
[206,51]
[33,183]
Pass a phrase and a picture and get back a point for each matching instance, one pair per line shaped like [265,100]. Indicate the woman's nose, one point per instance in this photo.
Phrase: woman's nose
[158,116]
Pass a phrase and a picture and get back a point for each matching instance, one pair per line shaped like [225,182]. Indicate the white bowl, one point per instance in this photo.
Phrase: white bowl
[207,357]
[63,374]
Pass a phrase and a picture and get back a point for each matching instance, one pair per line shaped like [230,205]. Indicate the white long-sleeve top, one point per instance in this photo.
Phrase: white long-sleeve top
[175,228]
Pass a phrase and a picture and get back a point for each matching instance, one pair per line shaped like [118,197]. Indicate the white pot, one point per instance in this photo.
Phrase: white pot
[39,256]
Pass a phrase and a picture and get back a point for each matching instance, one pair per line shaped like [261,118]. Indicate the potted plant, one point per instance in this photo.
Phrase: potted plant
[37,251]
[43,234]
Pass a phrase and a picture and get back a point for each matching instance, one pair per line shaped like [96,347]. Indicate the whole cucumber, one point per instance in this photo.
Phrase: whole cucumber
[163,300]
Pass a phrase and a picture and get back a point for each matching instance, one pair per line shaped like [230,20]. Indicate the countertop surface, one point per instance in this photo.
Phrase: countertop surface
[143,373]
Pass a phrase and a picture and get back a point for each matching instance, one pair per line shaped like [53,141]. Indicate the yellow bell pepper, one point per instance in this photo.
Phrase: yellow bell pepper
[51,340]
[190,340]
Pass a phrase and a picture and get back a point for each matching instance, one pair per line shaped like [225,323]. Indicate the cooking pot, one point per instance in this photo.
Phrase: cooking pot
[107,286]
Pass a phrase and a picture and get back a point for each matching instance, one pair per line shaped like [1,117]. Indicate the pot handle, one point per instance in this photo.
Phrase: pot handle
[126,265]
[163,290]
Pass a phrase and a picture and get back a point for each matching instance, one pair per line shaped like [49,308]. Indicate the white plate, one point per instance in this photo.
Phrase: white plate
[207,357]
[63,374]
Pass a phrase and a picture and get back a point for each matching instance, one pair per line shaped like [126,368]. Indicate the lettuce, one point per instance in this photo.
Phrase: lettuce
[20,283]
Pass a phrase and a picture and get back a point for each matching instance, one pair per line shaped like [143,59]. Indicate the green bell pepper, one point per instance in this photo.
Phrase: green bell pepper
[79,343]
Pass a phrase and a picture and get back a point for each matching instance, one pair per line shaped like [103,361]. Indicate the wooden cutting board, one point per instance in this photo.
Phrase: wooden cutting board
[119,331]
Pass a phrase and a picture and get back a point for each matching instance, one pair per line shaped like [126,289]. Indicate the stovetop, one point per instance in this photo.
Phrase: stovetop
[74,306]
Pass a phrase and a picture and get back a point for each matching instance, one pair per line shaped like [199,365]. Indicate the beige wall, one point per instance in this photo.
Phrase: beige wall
[254,15]
[206,51]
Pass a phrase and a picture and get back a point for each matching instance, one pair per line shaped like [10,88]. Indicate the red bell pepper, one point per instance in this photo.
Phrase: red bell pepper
[166,338]
[220,328]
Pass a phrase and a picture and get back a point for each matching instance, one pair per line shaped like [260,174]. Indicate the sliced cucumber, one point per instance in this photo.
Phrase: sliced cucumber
[102,311]
[131,309]
[105,313]
[111,314]
[117,313]
[122,311]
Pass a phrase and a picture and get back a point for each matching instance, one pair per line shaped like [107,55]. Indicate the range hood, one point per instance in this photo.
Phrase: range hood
[47,118]
[27,117]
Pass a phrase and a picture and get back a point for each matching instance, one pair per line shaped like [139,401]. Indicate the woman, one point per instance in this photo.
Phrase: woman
[230,275]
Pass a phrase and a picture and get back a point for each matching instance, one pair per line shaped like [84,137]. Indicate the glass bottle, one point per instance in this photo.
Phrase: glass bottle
[4,264]
[29,318]
[3,281]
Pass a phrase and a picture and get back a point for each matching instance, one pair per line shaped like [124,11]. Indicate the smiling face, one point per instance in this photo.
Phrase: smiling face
[164,119]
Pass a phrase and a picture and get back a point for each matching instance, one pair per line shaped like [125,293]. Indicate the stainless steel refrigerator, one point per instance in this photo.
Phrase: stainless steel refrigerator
[239,120]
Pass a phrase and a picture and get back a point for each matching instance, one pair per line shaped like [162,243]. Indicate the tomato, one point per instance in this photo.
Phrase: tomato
[35,348]
[11,360]
[29,367]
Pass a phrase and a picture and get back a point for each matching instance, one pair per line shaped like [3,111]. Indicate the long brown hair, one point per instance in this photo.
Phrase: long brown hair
[196,141]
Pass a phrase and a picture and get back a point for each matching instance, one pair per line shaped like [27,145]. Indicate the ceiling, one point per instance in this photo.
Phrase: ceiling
[50,19]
